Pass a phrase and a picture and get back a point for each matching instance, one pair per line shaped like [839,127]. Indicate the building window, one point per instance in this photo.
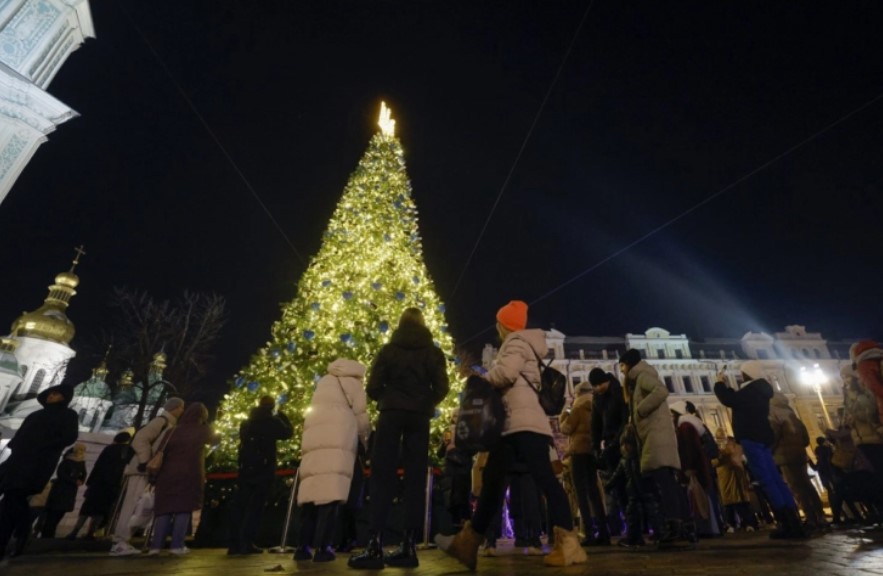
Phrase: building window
[716,419]
[762,354]
[669,383]
[660,352]
[688,384]
[817,352]
[679,353]
[706,383]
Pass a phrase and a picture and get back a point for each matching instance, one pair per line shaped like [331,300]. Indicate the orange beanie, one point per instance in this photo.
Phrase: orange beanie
[513,316]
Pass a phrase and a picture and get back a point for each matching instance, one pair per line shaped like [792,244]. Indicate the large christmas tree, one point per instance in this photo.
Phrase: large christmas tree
[368,270]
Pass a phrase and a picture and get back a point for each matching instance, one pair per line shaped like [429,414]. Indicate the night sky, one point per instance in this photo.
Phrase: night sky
[707,167]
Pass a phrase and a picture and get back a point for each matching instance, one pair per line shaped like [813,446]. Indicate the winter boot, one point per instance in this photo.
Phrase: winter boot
[463,545]
[781,530]
[794,529]
[671,532]
[566,550]
[405,556]
[324,554]
[688,532]
[603,537]
[300,553]
[372,557]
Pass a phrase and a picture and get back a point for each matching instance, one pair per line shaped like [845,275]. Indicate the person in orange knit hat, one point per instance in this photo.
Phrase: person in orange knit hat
[513,316]
[525,439]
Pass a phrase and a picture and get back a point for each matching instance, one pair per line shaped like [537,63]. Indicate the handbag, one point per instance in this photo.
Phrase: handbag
[481,416]
[154,465]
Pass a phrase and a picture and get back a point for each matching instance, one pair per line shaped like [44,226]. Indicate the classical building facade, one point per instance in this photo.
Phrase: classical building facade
[800,364]
[36,38]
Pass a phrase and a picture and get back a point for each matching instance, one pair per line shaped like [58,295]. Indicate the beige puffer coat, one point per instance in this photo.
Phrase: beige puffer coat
[791,436]
[515,361]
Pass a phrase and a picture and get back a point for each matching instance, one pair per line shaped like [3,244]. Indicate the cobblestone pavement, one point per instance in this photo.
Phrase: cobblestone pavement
[837,554]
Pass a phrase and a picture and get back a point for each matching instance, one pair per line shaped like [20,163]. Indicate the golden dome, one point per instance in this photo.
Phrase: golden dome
[46,323]
[49,322]
[68,279]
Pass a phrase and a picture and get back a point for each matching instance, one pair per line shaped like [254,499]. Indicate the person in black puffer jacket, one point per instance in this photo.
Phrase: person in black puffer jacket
[408,380]
[751,427]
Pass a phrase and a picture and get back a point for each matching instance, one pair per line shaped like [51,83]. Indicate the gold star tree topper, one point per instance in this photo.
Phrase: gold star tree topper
[386,123]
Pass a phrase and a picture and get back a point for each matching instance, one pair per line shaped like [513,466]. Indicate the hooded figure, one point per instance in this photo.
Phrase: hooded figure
[36,448]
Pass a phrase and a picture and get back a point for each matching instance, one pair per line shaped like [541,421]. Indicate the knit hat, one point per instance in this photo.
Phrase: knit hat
[861,346]
[753,369]
[630,358]
[597,377]
[173,403]
[122,438]
[513,316]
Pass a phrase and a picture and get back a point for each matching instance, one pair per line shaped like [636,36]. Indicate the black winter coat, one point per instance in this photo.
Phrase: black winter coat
[409,373]
[751,410]
[257,442]
[36,448]
[105,479]
[610,414]
[68,478]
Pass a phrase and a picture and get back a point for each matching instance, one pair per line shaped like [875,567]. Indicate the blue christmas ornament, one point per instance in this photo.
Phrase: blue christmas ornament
[347,295]
[240,381]
[283,398]
[309,334]
[291,346]
[376,285]
[437,413]
[400,296]
[346,337]
[315,306]
[252,386]
[384,326]
[387,237]
[326,283]
[441,308]
[415,280]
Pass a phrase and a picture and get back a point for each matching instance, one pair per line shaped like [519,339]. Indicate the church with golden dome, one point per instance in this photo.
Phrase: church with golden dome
[36,353]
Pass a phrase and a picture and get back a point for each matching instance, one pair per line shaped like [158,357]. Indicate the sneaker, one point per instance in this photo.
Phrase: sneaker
[153,552]
[180,551]
[730,530]
[123,549]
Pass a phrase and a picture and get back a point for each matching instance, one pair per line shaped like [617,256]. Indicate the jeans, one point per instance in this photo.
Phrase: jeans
[760,460]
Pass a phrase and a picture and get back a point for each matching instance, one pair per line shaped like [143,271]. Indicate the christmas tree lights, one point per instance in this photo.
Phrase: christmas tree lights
[367,271]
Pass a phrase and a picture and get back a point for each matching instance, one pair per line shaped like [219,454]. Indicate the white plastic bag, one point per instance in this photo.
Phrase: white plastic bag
[143,512]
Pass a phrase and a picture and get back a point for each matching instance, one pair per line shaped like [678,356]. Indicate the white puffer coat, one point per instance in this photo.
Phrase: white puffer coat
[514,361]
[336,422]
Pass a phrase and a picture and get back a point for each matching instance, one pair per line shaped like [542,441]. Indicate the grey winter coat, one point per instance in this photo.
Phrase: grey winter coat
[652,419]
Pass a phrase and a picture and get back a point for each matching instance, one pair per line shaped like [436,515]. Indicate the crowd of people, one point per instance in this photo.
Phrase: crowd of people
[638,469]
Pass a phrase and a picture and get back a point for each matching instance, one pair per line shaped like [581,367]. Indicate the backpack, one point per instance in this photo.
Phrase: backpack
[552,392]
[481,416]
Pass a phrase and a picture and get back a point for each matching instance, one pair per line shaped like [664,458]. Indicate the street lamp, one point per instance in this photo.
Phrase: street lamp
[815,378]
